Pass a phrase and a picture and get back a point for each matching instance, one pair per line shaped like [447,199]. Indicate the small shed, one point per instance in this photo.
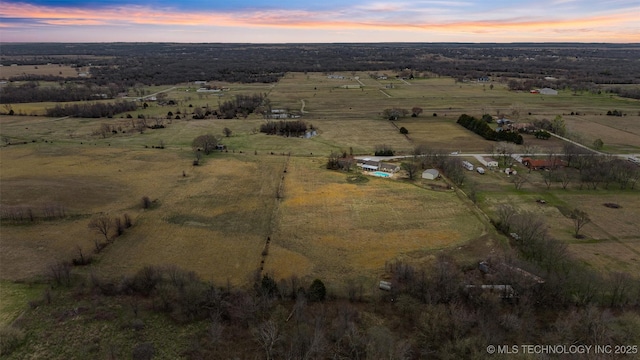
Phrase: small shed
[548,91]
[430,174]
[385,285]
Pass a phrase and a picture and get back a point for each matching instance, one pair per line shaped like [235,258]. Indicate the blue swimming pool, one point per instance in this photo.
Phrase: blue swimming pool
[380,174]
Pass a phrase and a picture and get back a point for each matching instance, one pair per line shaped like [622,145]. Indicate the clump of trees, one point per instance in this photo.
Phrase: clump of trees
[481,128]
[33,92]
[396,113]
[242,105]
[93,110]
[21,213]
[542,134]
[383,150]
[556,126]
[340,161]
[105,226]
[205,143]
[442,160]
[285,128]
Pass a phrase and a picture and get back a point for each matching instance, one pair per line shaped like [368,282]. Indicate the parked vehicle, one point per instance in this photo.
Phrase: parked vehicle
[480,170]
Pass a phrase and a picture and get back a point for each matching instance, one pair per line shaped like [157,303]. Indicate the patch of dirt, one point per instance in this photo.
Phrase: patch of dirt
[612,205]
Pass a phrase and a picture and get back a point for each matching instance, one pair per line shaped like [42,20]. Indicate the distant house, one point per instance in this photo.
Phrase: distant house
[484,79]
[490,163]
[430,174]
[207,90]
[351,86]
[368,164]
[339,77]
[388,167]
[525,127]
[548,91]
[541,164]
[281,114]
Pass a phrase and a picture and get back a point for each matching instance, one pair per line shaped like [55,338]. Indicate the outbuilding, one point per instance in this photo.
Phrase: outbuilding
[548,91]
[490,163]
[430,174]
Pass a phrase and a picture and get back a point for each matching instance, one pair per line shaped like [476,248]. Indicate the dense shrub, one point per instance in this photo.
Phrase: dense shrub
[284,128]
[10,339]
[317,291]
[95,110]
[483,129]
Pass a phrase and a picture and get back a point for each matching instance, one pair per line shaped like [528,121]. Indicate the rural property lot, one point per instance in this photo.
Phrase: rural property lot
[216,218]
[331,229]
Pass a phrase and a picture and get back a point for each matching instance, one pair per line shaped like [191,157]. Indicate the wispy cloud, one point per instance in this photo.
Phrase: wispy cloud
[421,19]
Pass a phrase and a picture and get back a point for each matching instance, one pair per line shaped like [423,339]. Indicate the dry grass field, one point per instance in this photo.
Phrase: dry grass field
[7,72]
[611,240]
[331,229]
[619,134]
[215,219]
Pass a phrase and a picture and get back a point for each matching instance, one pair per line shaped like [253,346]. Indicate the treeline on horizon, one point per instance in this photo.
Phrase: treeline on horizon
[575,66]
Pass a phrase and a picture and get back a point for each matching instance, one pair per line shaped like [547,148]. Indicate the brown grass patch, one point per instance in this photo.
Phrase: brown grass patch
[619,133]
[50,69]
[347,230]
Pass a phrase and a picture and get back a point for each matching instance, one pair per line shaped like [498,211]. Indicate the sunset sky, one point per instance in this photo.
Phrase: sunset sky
[289,21]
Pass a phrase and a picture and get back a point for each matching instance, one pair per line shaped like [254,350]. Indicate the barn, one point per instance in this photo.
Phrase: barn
[430,174]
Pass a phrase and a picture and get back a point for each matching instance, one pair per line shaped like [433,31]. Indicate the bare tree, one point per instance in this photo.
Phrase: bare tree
[102,224]
[227,132]
[267,335]
[548,177]
[333,163]
[60,272]
[504,150]
[565,178]
[140,124]
[519,180]
[580,219]
[146,202]
[105,129]
[505,214]
[411,167]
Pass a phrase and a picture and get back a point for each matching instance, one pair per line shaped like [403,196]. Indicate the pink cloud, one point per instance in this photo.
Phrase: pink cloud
[617,27]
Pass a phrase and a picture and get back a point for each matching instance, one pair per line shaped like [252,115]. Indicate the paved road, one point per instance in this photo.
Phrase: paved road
[517,157]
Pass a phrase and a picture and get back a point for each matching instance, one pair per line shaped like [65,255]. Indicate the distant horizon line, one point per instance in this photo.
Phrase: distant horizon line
[319,43]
